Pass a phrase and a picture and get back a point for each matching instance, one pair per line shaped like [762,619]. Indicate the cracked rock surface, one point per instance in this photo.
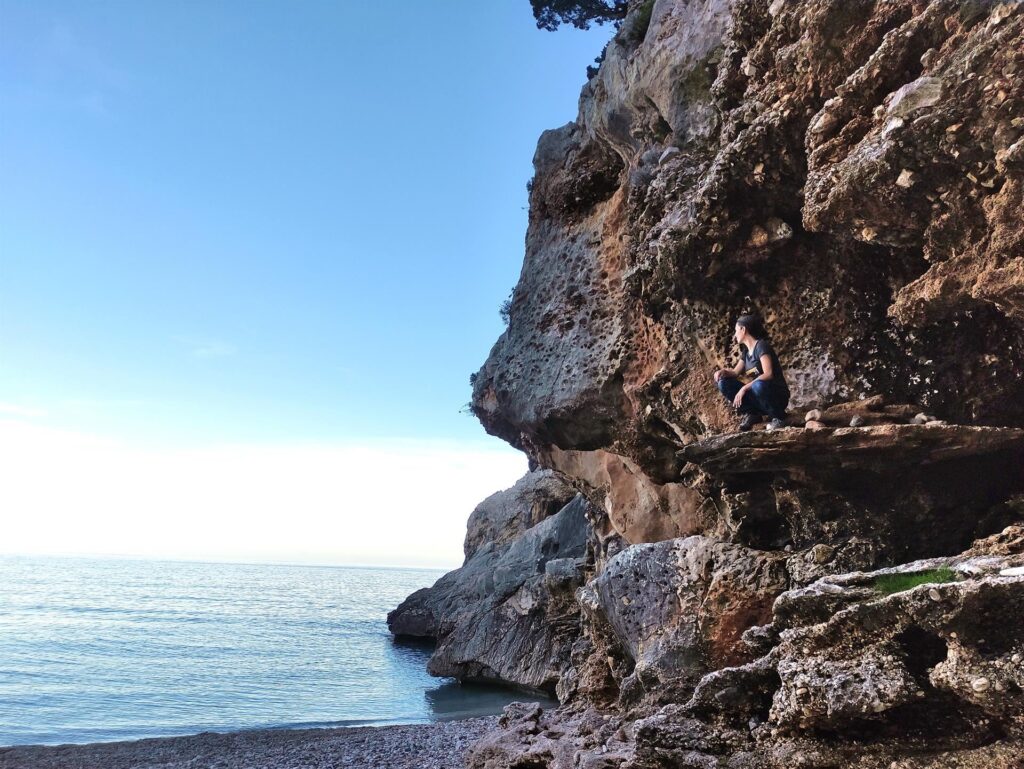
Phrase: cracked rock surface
[508,613]
[845,591]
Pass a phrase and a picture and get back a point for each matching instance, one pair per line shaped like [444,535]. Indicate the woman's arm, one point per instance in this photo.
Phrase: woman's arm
[769,373]
[730,373]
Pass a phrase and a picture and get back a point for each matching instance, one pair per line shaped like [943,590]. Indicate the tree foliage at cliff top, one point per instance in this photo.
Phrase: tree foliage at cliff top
[550,14]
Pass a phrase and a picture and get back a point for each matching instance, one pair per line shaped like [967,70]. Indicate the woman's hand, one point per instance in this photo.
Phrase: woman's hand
[738,400]
[723,373]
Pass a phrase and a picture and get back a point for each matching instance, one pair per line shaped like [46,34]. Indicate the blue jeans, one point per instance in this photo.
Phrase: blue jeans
[763,397]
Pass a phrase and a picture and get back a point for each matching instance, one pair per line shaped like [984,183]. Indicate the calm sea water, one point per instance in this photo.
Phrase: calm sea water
[94,650]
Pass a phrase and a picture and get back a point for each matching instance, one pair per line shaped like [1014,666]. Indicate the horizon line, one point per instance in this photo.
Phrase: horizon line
[213,561]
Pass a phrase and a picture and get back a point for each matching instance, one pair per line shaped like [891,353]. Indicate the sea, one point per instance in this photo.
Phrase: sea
[97,650]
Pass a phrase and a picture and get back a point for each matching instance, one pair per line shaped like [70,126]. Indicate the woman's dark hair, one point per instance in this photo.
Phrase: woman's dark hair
[753,325]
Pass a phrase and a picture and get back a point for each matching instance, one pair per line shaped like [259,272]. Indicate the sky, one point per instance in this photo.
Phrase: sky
[250,253]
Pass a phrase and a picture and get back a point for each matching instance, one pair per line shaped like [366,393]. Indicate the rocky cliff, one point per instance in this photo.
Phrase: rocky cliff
[842,594]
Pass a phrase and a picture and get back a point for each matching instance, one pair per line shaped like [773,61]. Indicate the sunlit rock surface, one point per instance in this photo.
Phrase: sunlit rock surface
[853,171]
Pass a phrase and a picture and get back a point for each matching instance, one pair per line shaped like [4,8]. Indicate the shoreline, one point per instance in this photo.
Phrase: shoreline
[437,745]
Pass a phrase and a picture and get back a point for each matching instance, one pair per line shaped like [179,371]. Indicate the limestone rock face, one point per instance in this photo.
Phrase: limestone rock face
[639,509]
[513,617]
[853,171]
[508,613]
[506,515]
[678,608]
[901,491]
[925,653]
[918,665]
[496,522]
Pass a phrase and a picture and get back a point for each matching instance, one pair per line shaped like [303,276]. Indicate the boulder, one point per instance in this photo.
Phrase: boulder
[508,614]
[906,648]
[506,515]
[678,608]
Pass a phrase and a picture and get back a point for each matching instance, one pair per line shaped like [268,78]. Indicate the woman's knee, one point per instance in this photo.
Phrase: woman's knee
[728,387]
[773,399]
[760,387]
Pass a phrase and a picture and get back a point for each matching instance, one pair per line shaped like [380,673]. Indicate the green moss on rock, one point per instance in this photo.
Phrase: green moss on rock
[897,583]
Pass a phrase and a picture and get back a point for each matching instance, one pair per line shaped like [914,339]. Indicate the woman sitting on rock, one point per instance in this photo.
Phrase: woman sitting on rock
[767,394]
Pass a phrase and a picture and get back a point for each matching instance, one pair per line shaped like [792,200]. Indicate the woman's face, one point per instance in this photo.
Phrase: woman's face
[740,334]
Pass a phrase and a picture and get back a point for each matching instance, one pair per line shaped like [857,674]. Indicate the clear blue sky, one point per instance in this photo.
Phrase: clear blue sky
[265,221]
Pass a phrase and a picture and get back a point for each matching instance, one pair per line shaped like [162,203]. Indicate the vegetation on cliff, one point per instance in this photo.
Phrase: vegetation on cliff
[550,14]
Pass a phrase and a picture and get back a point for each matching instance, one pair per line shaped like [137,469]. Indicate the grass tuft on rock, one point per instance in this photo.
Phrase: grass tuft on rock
[897,583]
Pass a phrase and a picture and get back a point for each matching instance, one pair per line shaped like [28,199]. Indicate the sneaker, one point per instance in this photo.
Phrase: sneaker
[775,424]
[748,421]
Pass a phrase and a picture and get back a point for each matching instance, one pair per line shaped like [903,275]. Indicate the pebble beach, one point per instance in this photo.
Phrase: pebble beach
[441,745]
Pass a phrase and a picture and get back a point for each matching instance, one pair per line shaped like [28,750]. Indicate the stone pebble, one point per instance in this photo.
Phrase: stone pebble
[440,745]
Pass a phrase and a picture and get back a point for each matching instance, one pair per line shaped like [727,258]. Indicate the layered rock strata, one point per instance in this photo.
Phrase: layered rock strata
[810,596]
[915,666]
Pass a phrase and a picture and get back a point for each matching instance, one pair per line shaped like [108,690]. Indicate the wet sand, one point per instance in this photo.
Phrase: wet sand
[440,745]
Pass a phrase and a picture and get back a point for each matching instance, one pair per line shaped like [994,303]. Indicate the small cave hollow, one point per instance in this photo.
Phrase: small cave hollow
[922,651]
